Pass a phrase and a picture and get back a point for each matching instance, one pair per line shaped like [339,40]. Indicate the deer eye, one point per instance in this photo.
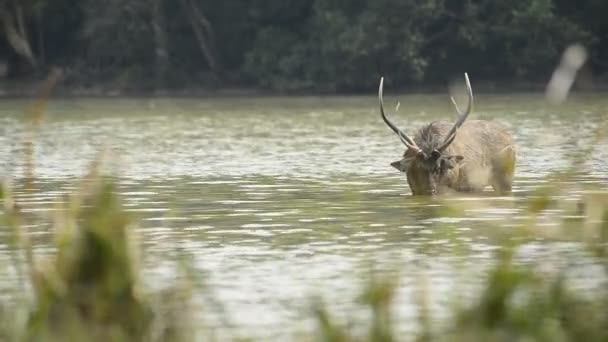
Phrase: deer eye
[445,165]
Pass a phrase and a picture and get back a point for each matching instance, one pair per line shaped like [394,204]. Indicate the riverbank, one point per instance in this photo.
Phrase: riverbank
[29,88]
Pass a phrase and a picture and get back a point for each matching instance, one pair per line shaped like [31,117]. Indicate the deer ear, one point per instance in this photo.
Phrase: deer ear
[401,165]
[397,165]
[458,159]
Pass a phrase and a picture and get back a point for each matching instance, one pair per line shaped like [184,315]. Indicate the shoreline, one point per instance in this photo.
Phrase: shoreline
[29,89]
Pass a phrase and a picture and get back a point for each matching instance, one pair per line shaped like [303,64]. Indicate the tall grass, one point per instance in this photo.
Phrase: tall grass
[518,301]
[90,288]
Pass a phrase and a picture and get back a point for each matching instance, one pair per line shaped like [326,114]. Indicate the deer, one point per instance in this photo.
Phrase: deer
[466,156]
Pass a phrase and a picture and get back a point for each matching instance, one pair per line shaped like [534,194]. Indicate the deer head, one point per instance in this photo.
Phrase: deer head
[432,165]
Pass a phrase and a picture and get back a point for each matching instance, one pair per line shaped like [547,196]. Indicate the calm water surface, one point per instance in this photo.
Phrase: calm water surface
[280,199]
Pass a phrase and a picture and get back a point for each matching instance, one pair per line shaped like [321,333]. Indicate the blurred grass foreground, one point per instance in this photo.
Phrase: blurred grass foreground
[90,288]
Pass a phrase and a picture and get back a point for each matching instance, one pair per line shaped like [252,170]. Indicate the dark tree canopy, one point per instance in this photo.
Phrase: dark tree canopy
[314,45]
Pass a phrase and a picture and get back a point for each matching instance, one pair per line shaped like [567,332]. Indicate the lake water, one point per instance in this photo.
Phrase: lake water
[280,199]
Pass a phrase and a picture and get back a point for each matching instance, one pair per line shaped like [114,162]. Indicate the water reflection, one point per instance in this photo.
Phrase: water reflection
[278,199]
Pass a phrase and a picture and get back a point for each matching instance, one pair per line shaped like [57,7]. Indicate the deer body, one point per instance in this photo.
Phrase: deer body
[466,156]
[488,155]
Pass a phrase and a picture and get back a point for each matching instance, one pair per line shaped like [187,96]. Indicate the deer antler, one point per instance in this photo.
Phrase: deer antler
[462,116]
[407,141]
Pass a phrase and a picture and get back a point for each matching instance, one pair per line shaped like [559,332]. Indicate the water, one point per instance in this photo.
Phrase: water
[280,199]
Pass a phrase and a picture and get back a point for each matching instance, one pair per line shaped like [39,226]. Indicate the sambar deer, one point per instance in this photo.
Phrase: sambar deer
[466,156]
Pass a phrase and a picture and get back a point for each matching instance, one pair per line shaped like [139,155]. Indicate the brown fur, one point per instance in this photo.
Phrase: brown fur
[483,153]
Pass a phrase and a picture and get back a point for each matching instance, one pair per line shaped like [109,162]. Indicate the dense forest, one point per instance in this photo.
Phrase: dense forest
[308,45]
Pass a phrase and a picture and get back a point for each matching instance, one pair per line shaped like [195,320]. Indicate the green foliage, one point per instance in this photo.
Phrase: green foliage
[517,302]
[346,47]
[349,47]
[314,45]
[532,51]
[90,288]
[118,41]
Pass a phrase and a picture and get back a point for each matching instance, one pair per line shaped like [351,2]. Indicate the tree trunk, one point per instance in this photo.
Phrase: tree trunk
[41,43]
[204,34]
[161,51]
[16,35]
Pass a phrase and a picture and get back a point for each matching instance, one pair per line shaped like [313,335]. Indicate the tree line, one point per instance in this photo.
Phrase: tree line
[310,45]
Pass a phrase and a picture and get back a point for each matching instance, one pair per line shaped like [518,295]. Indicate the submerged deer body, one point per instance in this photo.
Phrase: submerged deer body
[465,156]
